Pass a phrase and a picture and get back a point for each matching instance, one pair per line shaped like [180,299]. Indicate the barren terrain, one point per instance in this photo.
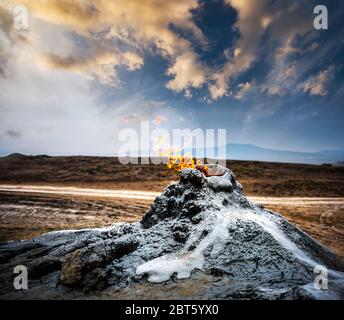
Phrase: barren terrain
[40,194]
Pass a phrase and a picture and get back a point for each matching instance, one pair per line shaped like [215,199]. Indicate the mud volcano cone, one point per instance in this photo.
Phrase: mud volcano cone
[202,227]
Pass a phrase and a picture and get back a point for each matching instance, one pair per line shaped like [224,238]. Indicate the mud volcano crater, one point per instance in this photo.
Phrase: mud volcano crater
[202,226]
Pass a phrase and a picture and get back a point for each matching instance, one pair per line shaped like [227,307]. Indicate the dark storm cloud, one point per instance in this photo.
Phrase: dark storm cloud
[14,134]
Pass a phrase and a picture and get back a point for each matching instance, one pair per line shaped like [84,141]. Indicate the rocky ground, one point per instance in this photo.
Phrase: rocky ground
[28,215]
[201,230]
[24,216]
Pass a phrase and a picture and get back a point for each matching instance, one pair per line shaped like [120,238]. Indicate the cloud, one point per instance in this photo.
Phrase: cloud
[291,21]
[286,49]
[132,60]
[273,90]
[280,79]
[317,85]
[13,133]
[9,38]
[289,72]
[61,113]
[109,26]
[6,20]
[243,89]
[280,22]
[138,109]
[101,66]
[159,119]
[188,94]
[187,72]
[101,35]
[258,111]
[252,20]
[45,87]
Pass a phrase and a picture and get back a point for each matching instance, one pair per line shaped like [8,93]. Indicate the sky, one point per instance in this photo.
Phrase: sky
[85,70]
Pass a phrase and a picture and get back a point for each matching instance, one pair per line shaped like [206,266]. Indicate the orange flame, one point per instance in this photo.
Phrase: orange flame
[178,163]
[175,160]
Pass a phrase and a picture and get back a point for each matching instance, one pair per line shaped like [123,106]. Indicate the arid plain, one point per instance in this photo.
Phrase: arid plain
[41,193]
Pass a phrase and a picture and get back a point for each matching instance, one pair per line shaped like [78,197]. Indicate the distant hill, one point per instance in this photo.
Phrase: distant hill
[251,152]
[236,151]
[16,156]
[19,156]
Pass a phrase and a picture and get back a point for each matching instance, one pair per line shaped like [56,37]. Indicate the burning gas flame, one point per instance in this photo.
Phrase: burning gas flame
[175,160]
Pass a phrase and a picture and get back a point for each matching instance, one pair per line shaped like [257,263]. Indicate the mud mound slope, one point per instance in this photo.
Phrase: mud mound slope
[200,225]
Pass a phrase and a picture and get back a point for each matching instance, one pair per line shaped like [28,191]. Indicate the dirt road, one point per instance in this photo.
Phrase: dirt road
[146,195]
